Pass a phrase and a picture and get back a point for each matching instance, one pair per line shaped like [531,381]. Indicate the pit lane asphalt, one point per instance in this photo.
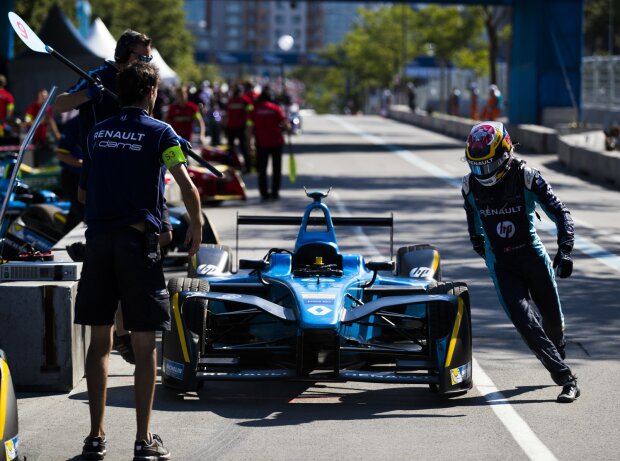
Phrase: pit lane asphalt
[380,167]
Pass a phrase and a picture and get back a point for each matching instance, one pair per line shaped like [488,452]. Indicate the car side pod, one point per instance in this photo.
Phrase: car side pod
[9,430]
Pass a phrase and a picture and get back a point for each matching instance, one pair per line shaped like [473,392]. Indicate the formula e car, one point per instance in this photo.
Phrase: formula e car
[33,220]
[316,313]
[221,155]
[9,433]
[214,190]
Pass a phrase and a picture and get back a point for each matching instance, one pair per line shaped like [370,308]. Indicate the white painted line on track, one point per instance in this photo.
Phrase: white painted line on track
[516,426]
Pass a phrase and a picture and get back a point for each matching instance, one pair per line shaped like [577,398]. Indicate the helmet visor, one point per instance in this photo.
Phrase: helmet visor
[485,168]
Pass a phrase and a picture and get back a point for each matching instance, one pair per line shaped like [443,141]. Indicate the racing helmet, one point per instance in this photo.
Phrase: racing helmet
[489,152]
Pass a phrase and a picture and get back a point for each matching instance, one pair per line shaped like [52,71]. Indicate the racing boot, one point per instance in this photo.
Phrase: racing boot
[570,390]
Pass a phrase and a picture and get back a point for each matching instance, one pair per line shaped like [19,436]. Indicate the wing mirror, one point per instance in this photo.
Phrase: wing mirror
[257,265]
[376,266]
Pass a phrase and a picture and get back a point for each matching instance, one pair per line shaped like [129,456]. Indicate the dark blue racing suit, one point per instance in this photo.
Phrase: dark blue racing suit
[500,222]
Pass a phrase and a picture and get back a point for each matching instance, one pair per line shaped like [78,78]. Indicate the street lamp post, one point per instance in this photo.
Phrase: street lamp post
[285,43]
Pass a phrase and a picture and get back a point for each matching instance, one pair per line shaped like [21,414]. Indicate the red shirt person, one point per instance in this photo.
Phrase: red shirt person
[237,110]
[7,104]
[182,114]
[43,153]
[32,110]
[268,121]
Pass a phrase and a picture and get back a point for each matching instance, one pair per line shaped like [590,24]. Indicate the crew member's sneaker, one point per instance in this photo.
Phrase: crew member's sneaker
[94,448]
[122,344]
[569,393]
[154,452]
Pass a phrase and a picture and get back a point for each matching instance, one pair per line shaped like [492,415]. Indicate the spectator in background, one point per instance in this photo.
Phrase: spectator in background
[494,105]
[43,152]
[411,96]
[455,101]
[268,121]
[183,114]
[473,101]
[235,123]
[162,102]
[7,106]
[70,157]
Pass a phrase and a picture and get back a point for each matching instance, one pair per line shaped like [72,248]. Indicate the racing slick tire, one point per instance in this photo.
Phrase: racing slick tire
[441,322]
[194,310]
[419,261]
[192,313]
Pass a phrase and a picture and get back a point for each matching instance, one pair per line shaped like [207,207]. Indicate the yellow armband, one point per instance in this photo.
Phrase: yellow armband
[173,156]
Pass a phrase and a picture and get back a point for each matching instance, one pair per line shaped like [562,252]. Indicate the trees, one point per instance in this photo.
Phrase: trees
[162,20]
[602,26]
[374,54]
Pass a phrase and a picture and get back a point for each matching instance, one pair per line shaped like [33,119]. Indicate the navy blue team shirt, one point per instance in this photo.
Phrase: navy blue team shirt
[97,110]
[124,178]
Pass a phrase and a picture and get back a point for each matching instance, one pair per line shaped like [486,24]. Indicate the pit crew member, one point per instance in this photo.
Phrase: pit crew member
[128,156]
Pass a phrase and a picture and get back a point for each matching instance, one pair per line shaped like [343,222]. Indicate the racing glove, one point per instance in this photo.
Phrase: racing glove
[94,90]
[477,241]
[562,263]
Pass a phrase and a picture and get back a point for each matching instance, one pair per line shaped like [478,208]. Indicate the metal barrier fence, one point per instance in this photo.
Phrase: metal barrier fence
[600,82]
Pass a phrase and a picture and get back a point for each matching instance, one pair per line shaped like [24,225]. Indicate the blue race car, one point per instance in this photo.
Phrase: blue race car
[318,314]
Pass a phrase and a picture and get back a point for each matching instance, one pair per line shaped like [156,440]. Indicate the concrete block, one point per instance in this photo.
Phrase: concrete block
[47,350]
[552,116]
[564,151]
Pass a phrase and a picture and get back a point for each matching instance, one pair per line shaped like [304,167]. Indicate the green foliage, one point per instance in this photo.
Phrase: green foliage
[373,54]
[34,12]
[162,20]
[596,33]
[380,44]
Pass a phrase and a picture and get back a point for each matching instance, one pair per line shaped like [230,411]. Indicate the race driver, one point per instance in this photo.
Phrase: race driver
[500,195]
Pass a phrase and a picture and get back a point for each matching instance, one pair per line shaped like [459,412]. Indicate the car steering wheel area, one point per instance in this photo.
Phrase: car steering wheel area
[317,270]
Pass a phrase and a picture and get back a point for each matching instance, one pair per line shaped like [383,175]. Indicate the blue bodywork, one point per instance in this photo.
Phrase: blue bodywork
[316,313]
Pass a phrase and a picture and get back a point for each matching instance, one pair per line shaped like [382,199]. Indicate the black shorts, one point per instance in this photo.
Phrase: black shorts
[116,268]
